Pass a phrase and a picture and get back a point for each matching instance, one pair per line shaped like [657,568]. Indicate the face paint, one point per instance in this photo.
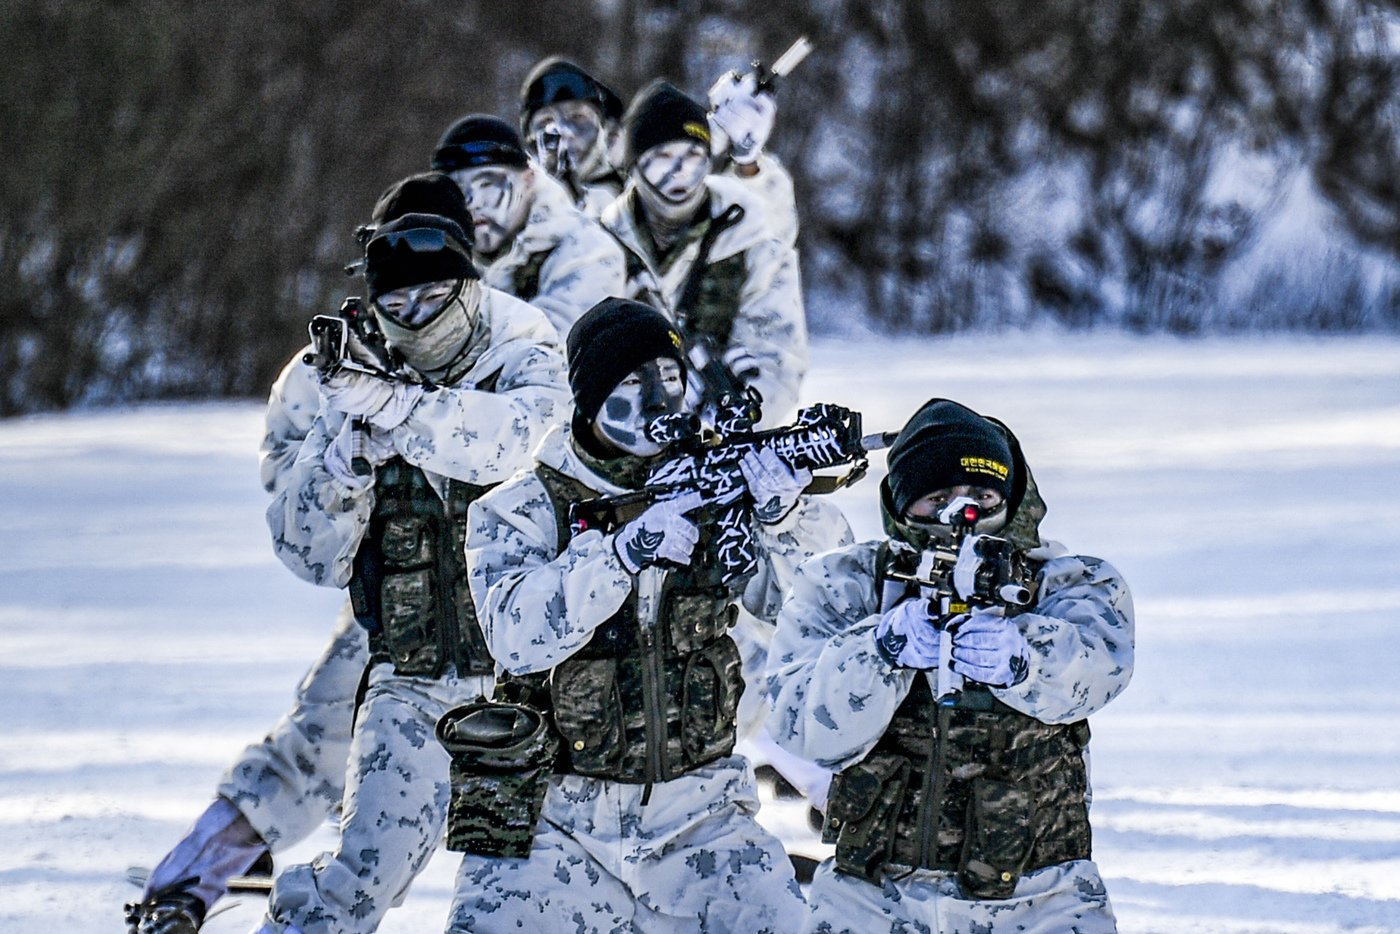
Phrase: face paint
[416,305]
[654,389]
[576,127]
[497,200]
[676,170]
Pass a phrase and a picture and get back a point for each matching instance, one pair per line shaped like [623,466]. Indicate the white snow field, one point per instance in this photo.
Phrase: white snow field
[1247,781]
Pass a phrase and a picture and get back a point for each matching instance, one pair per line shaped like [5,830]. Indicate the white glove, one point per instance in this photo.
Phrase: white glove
[386,404]
[743,364]
[662,533]
[988,648]
[906,637]
[356,441]
[774,485]
[747,120]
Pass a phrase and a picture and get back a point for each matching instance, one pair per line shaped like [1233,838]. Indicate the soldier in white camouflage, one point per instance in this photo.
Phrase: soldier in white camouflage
[281,788]
[528,238]
[953,710]
[377,502]
[648,824]
[703,249]
[568,120]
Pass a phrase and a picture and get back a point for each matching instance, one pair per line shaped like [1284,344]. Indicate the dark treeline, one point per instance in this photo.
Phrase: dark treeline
[182,178]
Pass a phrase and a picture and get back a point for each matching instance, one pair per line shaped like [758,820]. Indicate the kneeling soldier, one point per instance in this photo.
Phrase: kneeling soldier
[648,824]
[946,674]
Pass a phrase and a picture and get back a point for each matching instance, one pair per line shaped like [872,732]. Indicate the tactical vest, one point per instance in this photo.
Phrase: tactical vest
[409,583]
[964,784]
[643,705]
[525,280]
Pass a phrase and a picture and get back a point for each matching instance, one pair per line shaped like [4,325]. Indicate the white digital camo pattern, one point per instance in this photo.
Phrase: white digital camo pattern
[773,185]
[597,195]
[584,265]
[455,432]
[396,800]
[287,784]
[291,409]
[834,694]
[771,322]
[693,858]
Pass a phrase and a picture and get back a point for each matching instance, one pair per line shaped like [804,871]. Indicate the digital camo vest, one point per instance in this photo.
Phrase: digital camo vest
[409,585]
[964,784]
[643,705]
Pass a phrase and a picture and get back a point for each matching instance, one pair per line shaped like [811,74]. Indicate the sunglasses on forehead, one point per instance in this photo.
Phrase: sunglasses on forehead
[416,240]
[477,152]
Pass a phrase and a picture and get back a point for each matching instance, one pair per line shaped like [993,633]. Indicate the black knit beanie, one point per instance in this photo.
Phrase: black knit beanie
[425,193]
[662,113]
[612,339]
[944,445]
[414,249]
[476,140]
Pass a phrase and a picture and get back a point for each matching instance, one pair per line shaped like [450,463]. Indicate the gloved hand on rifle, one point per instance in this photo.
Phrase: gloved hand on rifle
[906,635]
[354,442]
[774,485]
[385,403]
[989,648]
[662,533]
[742,115]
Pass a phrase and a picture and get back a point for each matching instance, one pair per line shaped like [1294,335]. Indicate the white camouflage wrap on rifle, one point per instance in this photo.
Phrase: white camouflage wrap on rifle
[693,858]
[455,432]
[585,264]
[771,322]
[834,694]
[541,599]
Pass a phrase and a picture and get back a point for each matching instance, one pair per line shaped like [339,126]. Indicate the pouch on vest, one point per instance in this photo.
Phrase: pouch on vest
[709,701]
[502,757]
[695,619]
[587,703]
[999,839]
[862,812]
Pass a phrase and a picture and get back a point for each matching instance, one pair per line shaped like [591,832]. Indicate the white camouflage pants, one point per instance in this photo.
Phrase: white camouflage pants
[395,805]
[287,784]
[1054,900]
[693,859]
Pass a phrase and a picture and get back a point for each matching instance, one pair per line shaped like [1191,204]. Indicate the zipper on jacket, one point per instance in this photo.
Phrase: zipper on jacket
[934,783]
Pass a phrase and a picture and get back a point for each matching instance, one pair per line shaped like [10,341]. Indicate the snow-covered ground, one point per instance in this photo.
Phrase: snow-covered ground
[1247,781]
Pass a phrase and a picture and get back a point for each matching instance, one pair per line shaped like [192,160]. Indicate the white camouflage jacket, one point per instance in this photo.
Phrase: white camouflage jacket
[771,322]
[834,693]
[540,599]
[773,185]
[291,410]
[454,432]
[584,264]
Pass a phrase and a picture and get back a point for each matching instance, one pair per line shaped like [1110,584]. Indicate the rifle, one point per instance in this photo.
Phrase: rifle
[972,571]
[351,339]
[823,436]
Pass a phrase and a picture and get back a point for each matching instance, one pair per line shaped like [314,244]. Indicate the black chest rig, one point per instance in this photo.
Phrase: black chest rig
[646,704]
[964,784]
[708,303]
[409,585]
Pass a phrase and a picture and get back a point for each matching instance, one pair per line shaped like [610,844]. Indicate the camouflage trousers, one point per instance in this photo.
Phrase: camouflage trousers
[693,859]
[287,784]
[396,797]
[1065,897]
